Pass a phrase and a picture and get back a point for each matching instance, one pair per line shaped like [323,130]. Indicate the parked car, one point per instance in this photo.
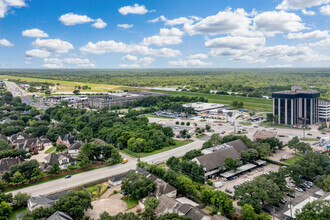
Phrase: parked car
[283,201]
[309,134]
[67,177]
[292,195]
[323,133]
[299,189]
[228,190]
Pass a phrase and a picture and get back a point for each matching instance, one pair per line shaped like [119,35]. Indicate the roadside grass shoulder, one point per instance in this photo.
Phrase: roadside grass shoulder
[293,159]
[245,123]
[136,155]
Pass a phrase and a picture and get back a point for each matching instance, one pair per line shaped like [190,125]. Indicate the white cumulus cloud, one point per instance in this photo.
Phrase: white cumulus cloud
[99,23]
[129,58]
[236,42]
[165,37]
[53,45]
[125,26]
[135,9]
[189,63]
[274,22]
[52,65]
[309,35]
[35,32]
[308,12]
[175,21]
[102,47]
[6,5]
[199,56]
[300,4]
[37,53]
[325,10]
[5,43]
[73,19]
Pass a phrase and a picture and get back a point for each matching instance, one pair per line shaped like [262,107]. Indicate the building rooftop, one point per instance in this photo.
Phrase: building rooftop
[240,169]
[264,134]
[297,90]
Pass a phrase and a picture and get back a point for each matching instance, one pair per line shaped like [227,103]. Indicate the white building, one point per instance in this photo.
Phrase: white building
[324,110]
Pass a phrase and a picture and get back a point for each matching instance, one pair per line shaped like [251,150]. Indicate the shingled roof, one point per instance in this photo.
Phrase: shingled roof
[6,163]
[214,160]
[58,215]
[238,144]
[77,145]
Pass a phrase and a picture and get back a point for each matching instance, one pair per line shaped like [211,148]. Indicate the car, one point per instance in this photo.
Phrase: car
[109,186]
[223,132]
[310,183]
[228,190]
[255,126]
[323,133]
[67,177]
[283,201]
[309,134]
[318,137]
[292,195]
[299,189]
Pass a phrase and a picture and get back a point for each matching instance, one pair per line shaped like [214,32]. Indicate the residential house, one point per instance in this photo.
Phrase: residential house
[46,142]
[6,163]
[192,212]
[17,140]
[44,201]
[75,148]
[212,161]
[58,215]
[32,144]
[67,140]
[62,159]
[164,188]
[116,180]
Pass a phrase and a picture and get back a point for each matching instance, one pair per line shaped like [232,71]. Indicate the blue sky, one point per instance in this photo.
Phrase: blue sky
[164,33]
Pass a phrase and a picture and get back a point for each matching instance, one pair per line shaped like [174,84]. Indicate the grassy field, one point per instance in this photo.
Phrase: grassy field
[131,203]
[293,159]
[136,155]
[245,123]
[94,190]
[16,212]
[249,103]
[155,116]
[309,139]
[50,150]
[68,86]
[268,124]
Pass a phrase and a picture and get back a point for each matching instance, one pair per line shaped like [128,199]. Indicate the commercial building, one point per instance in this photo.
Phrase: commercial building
[296,106]
[324,110]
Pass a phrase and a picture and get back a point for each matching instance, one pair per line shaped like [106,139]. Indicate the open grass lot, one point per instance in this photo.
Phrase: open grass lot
[50,150]
[68,86]
[16,212]
[293,159]
[155,116]
[309,139]
[257,104]
[131,203]
[136,155]
[94,190]
[245,123]
[268,124]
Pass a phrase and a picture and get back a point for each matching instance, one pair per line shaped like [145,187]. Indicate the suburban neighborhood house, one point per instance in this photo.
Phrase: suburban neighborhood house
[215,156]
[75,148]
[6,163]
[21,140]
[67,140]
[62,159]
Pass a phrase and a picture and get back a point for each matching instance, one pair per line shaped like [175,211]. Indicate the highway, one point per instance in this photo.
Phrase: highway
[106,172]
[18,92]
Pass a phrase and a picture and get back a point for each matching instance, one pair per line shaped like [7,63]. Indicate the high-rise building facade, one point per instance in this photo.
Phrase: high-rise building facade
[296,106]
[324,111]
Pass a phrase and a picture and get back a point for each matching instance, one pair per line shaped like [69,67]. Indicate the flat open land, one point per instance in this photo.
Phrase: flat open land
[259,104]
[68,86]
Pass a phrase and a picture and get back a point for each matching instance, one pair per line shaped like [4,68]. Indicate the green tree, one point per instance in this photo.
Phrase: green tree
[137,186]
[264,150]
[17,177]
[292,144]
[319,209]
[74,203]
[248,212]
[151,203]
[5,210]
[55,169]
[207,127]
[20,200]
[85,134]
[4,145]
[270,118]
[61,147]
[232,163]
[76,92]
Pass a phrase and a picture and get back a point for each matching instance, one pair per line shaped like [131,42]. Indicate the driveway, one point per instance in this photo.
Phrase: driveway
[40,157]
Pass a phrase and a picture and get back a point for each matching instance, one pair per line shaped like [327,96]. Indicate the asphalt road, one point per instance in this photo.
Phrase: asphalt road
[18,92]
[106,172]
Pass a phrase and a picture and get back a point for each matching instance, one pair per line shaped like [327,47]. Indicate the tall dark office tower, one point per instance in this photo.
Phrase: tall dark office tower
[296,106]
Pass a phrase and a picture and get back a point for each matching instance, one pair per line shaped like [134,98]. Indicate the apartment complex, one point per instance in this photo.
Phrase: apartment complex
[296,106]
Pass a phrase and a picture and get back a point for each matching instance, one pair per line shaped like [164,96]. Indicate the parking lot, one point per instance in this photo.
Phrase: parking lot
[229,184]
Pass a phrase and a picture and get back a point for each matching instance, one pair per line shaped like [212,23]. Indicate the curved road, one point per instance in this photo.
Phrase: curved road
[106,172]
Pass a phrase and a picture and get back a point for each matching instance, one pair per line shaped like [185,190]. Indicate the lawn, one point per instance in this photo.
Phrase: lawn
[155,116]
[136,155]
[53,178]
[293,159]
[245,123]
[201,136]
[16,212]
[259,104]
[94,190]
[68,86]
[268,124]
[50,150]
[131,203]
[309,139]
